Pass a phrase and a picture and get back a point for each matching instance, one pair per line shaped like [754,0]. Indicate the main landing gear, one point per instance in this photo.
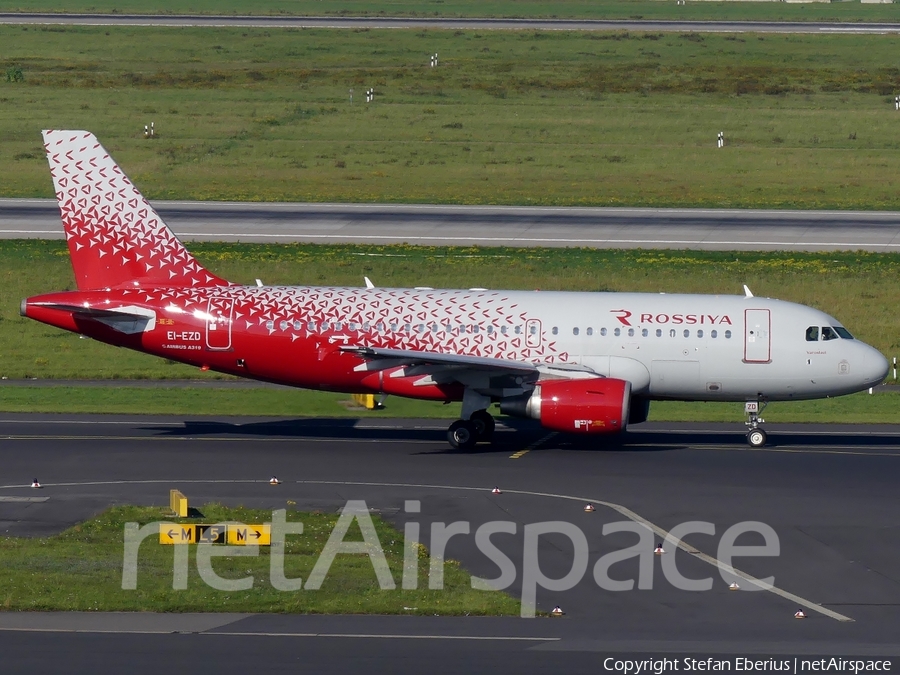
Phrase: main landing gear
[464,434]
[756,437]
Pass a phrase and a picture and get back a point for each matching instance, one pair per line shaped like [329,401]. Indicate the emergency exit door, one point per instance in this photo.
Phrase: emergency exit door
[218,323]
[757,336]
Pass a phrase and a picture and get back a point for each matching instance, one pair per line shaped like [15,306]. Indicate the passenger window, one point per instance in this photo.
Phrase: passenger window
[672,333]
[617,332]
[394,327]
[407,327]
[713,334]
[475,328]
[283,325]
[645,332]
[379,327]
[311,326]
[503,330]
[518,330]
[828,333]
[351,325]
[554,330]
[338,325]
[590,331]
[365,326]
[270,325]
[812,334]
[603,332]
[687,333]
[574,331]
[699,333]
[659,332]
[434,328]
[727,334]
[490,330]
[533,329]
[631,332]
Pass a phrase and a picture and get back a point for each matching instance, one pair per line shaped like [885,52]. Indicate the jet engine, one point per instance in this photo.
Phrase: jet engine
[597,405]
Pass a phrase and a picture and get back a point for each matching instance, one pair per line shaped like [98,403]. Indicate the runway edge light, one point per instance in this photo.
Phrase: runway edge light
[274,481]
[496,491]
[659,549]
[733,586]
[589,508]
[799,614]
[557,611]
[35,483]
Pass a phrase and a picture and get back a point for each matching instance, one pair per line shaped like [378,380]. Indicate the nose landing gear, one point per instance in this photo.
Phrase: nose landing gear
[756,437]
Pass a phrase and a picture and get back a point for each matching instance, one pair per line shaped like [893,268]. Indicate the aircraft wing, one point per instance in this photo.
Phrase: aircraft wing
[379,359]
[496,377]
[127,320]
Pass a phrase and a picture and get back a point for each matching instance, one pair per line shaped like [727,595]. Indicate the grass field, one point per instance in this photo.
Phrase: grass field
[519,117]
[81,570]
[592,9]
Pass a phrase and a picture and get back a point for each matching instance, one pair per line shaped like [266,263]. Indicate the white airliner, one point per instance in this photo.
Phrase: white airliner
[583,363]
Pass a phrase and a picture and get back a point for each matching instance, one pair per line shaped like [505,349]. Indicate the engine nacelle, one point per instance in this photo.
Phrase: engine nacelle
[594,406]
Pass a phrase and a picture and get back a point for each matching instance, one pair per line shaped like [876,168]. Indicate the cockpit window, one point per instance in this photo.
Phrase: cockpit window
[843,332]
[828,333]
[812,334]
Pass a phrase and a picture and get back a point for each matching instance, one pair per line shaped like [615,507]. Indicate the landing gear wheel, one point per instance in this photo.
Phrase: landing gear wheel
[462,435]
[484,424]
[756,438]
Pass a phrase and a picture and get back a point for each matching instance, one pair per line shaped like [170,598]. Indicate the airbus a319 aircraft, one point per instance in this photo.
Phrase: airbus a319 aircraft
[582,363]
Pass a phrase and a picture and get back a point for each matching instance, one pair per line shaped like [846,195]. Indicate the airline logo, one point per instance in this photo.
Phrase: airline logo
[623,316]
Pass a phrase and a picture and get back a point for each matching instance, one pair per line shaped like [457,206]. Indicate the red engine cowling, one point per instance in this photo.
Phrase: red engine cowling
[595,406]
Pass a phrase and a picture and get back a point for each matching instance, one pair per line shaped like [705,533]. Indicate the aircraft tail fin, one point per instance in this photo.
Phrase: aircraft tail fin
[114,235]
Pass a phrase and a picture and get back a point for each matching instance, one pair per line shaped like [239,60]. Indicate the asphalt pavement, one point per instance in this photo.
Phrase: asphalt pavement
[87,19]
[702,229]
[827,491]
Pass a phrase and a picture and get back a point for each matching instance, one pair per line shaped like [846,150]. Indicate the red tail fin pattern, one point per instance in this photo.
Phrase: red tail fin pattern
[114,235]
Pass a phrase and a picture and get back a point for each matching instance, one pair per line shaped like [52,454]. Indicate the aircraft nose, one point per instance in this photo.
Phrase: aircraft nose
[875,366]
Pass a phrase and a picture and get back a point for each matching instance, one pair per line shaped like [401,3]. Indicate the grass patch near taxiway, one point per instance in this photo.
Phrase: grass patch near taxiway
[515,117]
[860,289]
[881,408]
[81,570]
[589,9]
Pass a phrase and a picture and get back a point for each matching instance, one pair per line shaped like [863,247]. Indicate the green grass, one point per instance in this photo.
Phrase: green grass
[592,9]
[861,289]
[883,408]
[81,570]
[518,117]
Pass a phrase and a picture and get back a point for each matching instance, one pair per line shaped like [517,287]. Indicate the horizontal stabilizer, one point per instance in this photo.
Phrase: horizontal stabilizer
[128,320]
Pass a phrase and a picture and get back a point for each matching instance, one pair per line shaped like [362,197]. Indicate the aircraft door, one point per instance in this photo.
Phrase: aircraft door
[533,333]
[219,314]
[757,336]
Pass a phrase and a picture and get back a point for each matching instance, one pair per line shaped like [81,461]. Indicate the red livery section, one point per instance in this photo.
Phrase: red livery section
[586,406]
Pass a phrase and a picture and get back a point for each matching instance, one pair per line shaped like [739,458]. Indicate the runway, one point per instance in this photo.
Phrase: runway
[828,492]
[349,22]
[704,229]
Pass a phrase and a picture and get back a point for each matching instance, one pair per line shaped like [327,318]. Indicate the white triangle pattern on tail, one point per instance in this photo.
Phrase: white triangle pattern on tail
[114,234]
